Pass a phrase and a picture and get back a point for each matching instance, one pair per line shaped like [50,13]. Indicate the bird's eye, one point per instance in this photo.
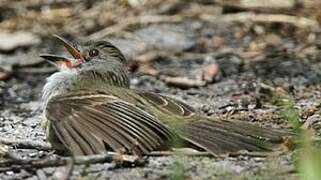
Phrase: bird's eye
[93,52]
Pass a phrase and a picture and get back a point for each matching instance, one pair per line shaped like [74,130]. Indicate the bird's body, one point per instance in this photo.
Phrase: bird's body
[90,109]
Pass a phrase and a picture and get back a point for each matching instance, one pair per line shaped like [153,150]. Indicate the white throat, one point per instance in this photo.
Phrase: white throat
[58,83]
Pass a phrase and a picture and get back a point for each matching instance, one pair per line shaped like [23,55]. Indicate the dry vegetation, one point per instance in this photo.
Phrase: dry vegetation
[252,60]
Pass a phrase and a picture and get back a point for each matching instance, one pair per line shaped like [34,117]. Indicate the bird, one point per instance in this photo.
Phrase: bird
[89,108]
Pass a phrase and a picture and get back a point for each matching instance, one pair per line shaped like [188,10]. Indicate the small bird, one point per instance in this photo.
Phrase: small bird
[89,108]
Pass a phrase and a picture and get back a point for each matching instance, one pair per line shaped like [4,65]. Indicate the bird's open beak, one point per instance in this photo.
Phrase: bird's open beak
[65,62]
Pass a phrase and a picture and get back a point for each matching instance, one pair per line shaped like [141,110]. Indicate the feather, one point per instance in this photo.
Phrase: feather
[85,123]
[215,137]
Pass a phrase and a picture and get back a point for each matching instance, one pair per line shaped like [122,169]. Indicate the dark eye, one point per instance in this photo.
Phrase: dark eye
[93,52]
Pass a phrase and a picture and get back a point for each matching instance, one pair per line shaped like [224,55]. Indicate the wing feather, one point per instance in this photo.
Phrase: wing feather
[107,122]
[67,139]
[135,130]
[78,138]
[100,132]
[157,127]
[149,122]
[94,144]
[118,127]
[91,123]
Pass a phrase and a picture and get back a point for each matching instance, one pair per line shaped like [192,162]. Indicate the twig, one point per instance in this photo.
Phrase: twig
[300,22]
[38,4]
[261,5]
[4,149]
[36,70]
[41,174]
[18,163]
[171,153]
[4,75]
[25,144]
[182,82]
[64,173]
[207,154]
[257,154]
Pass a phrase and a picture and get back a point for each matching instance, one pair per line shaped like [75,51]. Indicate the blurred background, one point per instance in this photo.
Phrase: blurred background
[252,60]
[148,30]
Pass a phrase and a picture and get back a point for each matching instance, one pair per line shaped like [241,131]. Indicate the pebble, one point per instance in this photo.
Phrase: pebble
[12,41]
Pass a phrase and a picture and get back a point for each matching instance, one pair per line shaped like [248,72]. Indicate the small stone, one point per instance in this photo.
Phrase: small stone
[209,72]
[273,39]
[11,41]
[217,42]
[9,172]
[312,122]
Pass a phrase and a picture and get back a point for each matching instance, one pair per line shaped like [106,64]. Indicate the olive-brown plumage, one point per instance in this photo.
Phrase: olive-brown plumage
[90,109]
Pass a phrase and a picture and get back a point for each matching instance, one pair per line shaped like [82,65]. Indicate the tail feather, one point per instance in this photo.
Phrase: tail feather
[234,139]
[220,137]
[272,135]
[247,129]
[205,141]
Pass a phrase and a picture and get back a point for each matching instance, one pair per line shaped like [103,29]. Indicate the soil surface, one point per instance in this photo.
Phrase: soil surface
[238,92]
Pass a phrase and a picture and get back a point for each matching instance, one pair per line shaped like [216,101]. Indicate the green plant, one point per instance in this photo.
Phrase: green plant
[307,157]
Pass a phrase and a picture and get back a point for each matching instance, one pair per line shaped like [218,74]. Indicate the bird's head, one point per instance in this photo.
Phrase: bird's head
[86,55]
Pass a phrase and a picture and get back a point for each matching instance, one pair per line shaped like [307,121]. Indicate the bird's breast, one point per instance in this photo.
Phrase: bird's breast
[58,83]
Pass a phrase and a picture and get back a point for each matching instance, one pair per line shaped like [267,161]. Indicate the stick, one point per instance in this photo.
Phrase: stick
[171,153]
[207,154]
[25,144]
[18,163]
[300,22]
[182,82]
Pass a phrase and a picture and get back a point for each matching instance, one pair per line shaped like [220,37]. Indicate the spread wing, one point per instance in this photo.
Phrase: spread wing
[215,135]
[90,122]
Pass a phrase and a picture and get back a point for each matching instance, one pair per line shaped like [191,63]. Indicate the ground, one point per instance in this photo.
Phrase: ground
[256,62]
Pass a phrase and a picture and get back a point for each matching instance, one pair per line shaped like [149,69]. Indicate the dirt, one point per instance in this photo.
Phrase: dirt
[234,94]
